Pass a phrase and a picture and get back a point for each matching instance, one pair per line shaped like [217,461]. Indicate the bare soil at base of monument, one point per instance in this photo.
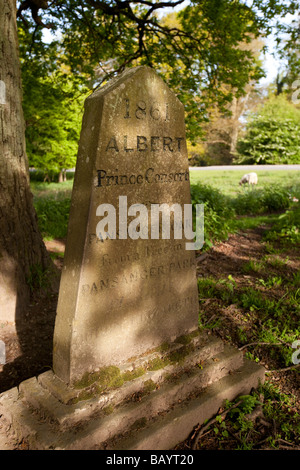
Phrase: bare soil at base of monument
[29,343]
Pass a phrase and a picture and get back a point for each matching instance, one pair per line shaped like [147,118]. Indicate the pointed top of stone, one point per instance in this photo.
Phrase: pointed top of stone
[142,72]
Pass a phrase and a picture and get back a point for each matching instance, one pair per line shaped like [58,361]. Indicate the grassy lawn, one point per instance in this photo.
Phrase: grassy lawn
[225,181]
[51,190]
[52,201]
[228,181]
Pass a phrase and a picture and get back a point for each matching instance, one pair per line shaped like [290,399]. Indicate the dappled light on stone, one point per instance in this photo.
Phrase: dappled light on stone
[119,296]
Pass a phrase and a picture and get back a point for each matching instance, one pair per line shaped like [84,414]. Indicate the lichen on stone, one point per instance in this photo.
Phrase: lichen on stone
[106,377]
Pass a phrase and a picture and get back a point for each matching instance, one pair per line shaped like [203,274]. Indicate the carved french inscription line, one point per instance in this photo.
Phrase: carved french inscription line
[153,272]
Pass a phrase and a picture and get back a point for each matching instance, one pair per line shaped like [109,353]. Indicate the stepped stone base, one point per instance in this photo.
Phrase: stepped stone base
[172,392]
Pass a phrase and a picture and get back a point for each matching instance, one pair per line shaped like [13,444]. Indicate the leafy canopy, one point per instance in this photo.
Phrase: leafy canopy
[196,56]
[53,121]
[52,105]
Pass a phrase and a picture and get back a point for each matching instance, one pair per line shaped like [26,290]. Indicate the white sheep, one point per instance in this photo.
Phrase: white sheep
[250,178]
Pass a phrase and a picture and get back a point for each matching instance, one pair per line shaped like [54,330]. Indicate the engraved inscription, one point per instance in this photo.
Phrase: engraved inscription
[142,109]
[153,272]
[142,143]
[106,178]
[170,307]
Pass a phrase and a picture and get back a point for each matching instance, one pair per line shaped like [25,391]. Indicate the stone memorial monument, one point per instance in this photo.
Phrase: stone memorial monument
[131,370]
[123,295]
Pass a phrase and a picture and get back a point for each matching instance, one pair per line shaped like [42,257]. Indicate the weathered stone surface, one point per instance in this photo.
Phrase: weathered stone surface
[168,430]
[121,297]
[162,416]
[68,406]
[174,357]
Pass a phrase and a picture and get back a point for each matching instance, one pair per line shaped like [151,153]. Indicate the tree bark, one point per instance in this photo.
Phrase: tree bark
[21,245]
[62,176]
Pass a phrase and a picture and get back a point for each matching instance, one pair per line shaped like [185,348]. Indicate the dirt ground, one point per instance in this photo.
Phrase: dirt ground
[229,259]
[29,349]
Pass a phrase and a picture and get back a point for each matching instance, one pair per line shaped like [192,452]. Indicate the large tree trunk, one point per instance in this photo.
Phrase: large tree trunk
[21,246]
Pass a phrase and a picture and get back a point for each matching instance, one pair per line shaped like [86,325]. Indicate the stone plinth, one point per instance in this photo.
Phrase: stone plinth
[153,402]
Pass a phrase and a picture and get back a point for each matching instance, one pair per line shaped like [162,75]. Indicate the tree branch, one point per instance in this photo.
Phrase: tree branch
[34,6]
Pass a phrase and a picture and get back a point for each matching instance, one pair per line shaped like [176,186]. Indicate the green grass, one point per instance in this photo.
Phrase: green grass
[52,204]
[227,181]
[247,222]
[230,208]
[234,429]
[266,325]
[287,227]
[218,190]
[52,190]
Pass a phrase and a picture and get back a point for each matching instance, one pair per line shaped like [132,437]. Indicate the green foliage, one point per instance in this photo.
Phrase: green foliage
[220,211]
[223,289]
[53,108]
[53,216]
[53,120]
[275,198]
[258,201]
[251,299]
[252,266]
[271,406]
[246,404]
[214,31]
[218,214]
[199,54]
[278,407]
[273,134]
[204,193]
[287,227]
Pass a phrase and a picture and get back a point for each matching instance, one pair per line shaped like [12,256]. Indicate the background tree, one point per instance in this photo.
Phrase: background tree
[273,134]
[53,106]
[221,132]
[196,55]
[53,118]
[21,245]
[288,51]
